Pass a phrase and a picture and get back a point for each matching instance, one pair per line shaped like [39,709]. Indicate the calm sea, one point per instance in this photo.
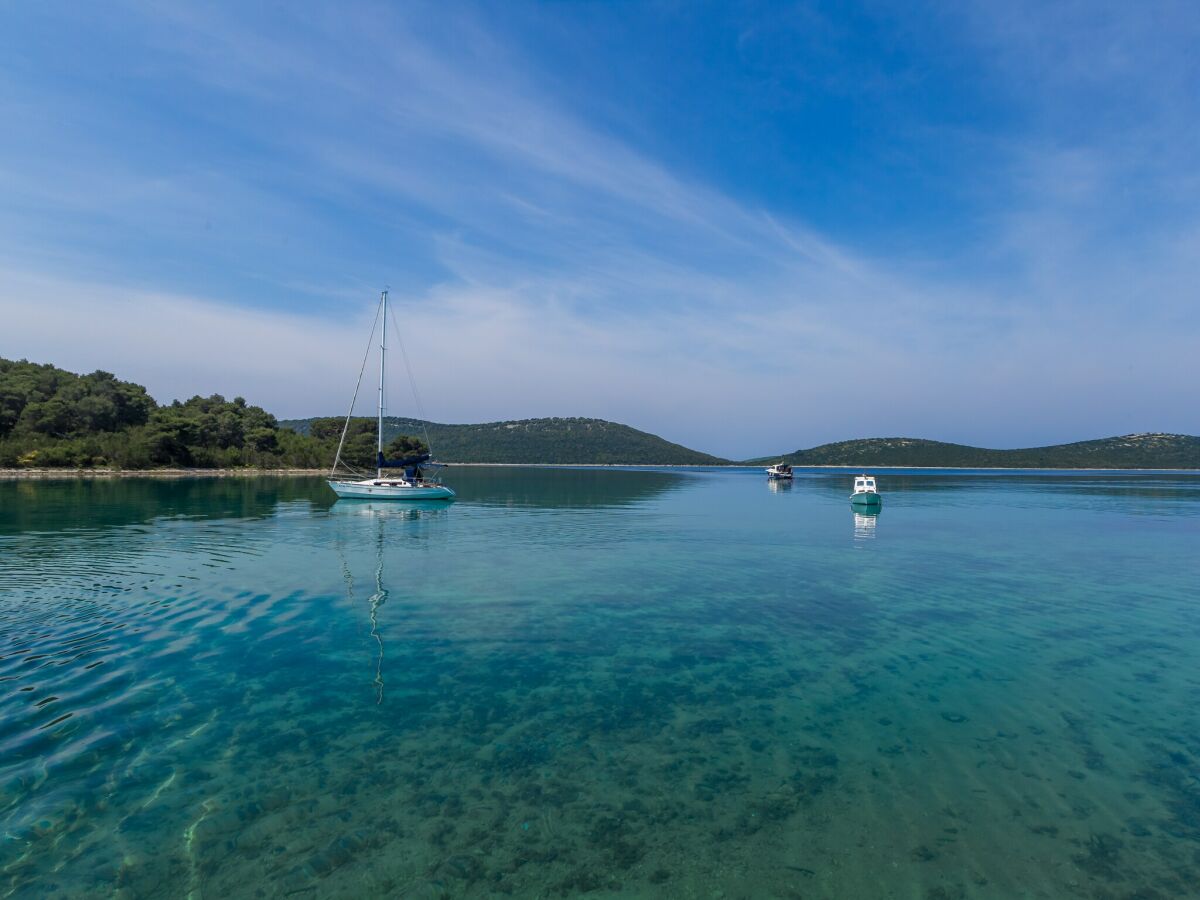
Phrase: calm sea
[613,682]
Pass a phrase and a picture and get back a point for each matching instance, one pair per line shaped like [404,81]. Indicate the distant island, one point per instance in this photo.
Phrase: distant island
[551,441]
[54,419]
[1132,451]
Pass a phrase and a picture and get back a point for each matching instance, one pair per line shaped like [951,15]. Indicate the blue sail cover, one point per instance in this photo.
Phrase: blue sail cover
[405,463]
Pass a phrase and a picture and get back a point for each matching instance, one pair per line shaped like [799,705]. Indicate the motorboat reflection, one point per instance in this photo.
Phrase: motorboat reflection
[779,485]
[864,525]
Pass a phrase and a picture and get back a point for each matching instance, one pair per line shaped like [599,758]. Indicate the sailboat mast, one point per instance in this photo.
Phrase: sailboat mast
[382,366]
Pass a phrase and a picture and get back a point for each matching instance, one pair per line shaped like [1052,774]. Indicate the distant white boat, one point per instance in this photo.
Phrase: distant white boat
[411,484]
[865,492]
[778,471]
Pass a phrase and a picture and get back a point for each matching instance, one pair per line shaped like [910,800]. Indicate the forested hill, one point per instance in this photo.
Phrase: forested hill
[559,441]
[1132,451]
[50,417]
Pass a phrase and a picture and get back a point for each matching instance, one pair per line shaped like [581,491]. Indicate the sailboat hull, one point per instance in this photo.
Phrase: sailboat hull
[369,490]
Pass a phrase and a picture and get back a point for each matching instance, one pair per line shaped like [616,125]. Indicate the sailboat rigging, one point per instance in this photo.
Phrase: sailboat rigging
[413,482]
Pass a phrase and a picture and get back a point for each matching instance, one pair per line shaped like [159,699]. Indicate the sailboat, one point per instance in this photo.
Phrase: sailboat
[412,483]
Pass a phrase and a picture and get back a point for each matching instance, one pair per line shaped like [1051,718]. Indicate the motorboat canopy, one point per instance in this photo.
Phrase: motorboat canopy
[865,484]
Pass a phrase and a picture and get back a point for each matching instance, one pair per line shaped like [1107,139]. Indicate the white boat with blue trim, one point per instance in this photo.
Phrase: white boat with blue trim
[391,489]
[395,479]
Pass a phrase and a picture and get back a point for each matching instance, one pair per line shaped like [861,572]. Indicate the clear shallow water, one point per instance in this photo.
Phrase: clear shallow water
[677,684]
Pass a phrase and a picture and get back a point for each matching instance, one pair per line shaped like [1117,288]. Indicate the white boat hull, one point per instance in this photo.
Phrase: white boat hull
[371,490]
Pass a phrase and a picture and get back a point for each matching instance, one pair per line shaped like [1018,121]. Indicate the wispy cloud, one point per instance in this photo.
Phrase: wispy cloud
[548,265]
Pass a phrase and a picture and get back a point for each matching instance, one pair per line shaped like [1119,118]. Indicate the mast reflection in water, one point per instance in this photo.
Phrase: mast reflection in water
[379,514]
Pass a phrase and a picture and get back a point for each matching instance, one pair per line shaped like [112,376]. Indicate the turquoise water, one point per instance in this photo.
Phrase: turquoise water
[620,683]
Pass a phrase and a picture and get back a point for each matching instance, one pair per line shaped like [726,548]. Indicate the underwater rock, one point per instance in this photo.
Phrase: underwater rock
[1102,858]
[463,867]
[946,892]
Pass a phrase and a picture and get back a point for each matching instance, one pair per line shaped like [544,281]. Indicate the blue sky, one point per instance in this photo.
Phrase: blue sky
[746,227]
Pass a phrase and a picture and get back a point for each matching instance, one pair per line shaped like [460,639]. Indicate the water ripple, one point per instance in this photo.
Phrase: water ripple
[656,683]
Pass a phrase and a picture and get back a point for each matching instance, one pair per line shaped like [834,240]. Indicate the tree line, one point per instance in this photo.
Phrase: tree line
[50,417]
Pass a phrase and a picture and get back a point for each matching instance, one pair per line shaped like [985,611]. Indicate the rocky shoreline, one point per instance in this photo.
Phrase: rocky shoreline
[20,474]
[33,474]
[36,474]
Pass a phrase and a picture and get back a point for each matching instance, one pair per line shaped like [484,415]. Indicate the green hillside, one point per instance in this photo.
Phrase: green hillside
[559,441]
[1132,451]
[50,417]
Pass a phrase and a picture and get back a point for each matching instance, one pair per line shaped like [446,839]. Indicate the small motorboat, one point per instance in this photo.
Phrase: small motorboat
[779,472]
[865,492]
